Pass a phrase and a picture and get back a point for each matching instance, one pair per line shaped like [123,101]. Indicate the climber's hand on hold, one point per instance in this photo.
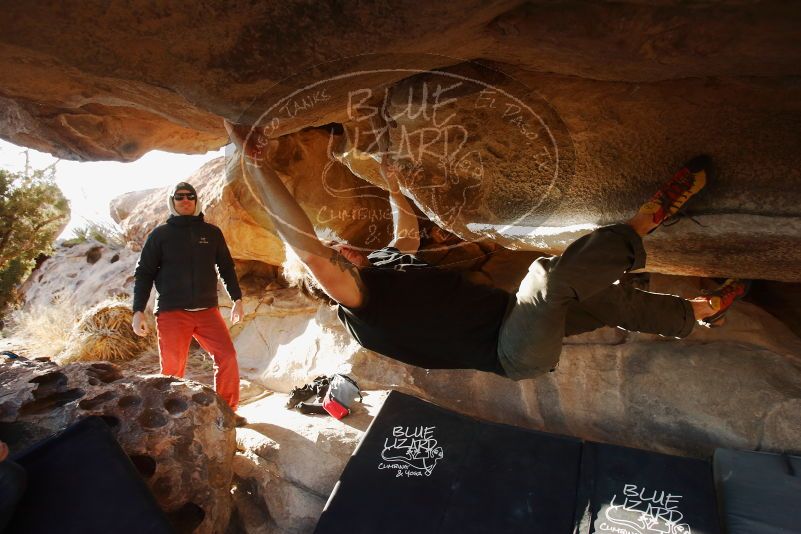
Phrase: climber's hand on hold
[252,141]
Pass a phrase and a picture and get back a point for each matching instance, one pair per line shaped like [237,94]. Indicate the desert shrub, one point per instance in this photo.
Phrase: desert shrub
[104,332]
[43,330]
[105,233]
[33,210]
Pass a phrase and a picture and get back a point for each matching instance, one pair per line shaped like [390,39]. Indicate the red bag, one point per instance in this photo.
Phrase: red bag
[340,396]
[334,407]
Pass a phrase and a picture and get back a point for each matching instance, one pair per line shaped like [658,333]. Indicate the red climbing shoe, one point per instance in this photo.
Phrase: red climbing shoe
[722,298]
[674,194]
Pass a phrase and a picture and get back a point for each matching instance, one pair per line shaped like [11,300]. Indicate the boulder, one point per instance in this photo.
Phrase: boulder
[522,125]
[637,390]
[101,83]
[178,433]
[139,212]
[336,211]
[550,123]
[80,276]
[290,462]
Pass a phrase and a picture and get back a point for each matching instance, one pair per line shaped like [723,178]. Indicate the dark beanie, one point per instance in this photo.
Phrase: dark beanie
[183,186]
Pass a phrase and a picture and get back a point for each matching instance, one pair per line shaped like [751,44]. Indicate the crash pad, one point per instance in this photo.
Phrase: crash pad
[759,492]
[421,468]
[632,491]
[81,481]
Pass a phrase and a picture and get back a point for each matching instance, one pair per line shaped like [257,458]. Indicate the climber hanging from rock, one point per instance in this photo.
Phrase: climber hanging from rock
[396,305]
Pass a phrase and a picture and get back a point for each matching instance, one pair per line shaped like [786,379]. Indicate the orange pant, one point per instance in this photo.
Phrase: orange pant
[176,328]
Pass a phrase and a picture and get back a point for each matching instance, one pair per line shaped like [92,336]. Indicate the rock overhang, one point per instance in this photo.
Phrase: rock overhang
[628,91]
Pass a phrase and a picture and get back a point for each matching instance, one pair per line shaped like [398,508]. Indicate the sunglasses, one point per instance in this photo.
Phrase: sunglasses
[181,196]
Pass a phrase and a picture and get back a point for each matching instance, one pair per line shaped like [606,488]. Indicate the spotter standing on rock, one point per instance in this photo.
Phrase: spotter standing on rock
[180,256]
[396,305]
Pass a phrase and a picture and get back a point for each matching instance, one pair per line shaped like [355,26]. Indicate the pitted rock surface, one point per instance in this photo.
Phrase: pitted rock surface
[67,277]
[178,433]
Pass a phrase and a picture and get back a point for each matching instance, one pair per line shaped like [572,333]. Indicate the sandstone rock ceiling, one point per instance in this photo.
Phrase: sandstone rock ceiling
[623,93]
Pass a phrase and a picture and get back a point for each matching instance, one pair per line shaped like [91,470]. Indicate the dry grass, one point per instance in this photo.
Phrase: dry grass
[43,331]
[104,333]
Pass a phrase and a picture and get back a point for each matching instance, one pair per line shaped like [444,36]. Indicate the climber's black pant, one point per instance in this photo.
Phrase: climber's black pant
[575,293]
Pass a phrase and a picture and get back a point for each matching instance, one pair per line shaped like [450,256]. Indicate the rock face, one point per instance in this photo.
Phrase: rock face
[290,462]
[249,233]
[555,123]
[179,434]
[675,396]
[736,386]
[81,276]
[182,67]
[556,118]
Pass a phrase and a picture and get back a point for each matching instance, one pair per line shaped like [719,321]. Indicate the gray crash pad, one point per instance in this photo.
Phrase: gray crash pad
[759,492]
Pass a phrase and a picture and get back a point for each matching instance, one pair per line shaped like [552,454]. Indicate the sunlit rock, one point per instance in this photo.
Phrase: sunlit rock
[179,434]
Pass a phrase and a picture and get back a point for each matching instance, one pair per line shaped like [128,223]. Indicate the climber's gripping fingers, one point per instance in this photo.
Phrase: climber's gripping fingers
[258,144]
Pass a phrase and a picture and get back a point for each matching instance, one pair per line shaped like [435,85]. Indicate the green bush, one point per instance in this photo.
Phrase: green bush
[104,233]
[33,211]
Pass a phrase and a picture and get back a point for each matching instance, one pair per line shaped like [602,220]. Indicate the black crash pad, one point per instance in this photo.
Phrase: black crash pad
[81,481]
[631,491]
[421,468]
[759,492]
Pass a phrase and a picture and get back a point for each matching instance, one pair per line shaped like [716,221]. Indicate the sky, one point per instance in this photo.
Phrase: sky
[90,186]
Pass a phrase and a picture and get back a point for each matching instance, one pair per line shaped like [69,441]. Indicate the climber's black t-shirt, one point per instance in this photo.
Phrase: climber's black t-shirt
[427,316]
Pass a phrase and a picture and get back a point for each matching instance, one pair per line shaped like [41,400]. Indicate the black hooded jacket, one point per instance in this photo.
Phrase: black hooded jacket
[180,257]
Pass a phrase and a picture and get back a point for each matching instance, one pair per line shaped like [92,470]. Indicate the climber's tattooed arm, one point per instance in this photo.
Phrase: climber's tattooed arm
[345,266]
[341,281]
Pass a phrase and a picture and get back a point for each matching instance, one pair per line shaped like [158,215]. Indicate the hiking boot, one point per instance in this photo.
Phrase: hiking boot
[675,193]
[722,298]
[239,421]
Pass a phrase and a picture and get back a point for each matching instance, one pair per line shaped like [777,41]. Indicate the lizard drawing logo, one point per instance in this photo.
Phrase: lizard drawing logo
[411,451]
